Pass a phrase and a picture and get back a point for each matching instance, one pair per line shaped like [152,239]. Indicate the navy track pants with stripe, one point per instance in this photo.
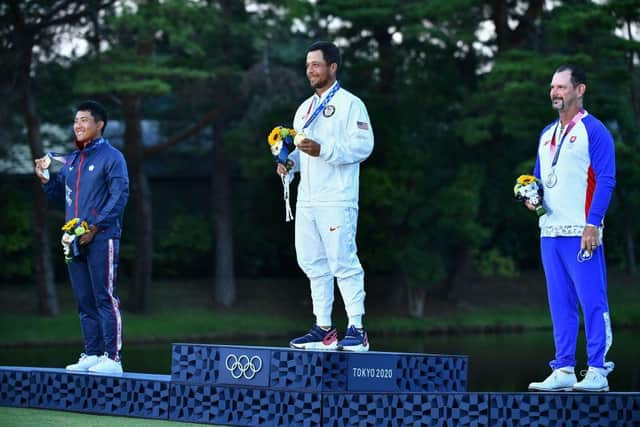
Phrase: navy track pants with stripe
[93,278]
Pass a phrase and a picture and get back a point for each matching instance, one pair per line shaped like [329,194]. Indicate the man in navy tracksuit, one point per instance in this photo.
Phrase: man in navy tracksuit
[94,185]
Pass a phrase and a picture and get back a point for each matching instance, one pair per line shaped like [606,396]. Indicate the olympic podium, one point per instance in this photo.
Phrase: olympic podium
[240,385]
[272,386]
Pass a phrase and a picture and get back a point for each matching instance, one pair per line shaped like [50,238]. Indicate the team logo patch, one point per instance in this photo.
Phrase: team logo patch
[91,168]
[328,111]
[573,139]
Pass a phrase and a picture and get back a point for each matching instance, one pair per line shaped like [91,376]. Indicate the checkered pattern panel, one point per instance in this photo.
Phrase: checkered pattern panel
[432,374]
[334,376]
[408,409]
[122,396]
[567,409]
[194,363]
[296,370]
[308,371]
[133,397]
[14,387]
[59,390]
[243,406]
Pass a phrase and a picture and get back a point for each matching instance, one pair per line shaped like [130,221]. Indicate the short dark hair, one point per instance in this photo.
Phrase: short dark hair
[96,109]
[578,75]
[330,51]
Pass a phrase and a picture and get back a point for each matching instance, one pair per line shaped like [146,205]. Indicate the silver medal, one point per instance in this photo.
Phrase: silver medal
[551,180]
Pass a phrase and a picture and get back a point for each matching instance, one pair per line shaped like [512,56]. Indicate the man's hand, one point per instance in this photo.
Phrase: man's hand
[41,165]
[529,205]
[86,238]
[310,147]
[281,170]
[590,238]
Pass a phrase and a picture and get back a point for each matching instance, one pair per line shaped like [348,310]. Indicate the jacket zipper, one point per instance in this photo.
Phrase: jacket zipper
[78,183]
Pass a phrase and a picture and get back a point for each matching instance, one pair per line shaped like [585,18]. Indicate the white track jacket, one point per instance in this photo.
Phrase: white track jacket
[345,134]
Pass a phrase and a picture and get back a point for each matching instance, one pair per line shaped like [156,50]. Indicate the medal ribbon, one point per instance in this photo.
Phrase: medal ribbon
[572,123]
[322,105]
[62,158]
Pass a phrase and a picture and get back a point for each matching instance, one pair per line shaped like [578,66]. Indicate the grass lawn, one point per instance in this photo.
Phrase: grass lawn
[19,417]
[269,308]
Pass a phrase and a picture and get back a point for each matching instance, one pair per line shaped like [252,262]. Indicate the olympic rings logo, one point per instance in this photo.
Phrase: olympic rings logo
[243,366]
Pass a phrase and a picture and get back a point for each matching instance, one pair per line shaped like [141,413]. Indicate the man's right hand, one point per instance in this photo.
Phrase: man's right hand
[281,170]
[41,165]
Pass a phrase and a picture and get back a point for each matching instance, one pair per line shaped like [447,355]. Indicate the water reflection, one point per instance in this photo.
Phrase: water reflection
[505,362]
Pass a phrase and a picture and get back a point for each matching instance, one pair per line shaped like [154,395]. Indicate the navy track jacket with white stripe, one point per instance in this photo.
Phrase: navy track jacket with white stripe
[94,185]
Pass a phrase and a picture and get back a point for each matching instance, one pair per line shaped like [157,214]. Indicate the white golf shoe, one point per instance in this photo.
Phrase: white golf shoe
[107,366]
[595,379]
[84,363]
[561,379]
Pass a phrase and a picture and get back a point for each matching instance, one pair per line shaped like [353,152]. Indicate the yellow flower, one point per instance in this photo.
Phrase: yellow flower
[525,179]
[70,224]
[274,136]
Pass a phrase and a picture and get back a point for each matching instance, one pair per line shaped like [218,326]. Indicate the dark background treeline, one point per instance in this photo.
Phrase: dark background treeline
[457,91]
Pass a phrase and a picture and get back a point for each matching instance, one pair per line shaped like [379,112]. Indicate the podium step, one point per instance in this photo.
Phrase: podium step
[129,394]
[270,386]
[287,369]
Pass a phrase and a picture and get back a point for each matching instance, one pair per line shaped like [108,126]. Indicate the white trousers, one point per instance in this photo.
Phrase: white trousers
[326,248]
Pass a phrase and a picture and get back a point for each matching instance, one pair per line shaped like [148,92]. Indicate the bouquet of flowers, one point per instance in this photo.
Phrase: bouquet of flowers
[72,230]
[529,189]
[281,143]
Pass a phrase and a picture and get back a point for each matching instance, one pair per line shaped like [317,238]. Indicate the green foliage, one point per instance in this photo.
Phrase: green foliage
[455,120]
[149,44]
[184,250]
[15,235]
[492,263]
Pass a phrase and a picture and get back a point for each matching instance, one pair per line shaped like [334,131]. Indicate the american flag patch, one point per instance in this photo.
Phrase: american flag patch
[363,125]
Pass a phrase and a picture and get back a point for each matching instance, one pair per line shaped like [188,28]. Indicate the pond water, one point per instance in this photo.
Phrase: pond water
[497,362]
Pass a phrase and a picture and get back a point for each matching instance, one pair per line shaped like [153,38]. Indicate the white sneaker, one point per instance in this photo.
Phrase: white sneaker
[595,379]
[84,363]
[107,366]
[561,379]
[609,367]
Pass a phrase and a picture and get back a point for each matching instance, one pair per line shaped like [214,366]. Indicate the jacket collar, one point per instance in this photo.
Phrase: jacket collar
[88,147]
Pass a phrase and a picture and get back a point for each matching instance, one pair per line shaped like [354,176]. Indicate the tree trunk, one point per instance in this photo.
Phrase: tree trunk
[460,273]
[224,280]
[415,299]
[43,268]
[141,198]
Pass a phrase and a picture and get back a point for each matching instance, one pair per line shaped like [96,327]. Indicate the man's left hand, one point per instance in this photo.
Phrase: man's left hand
[86,238]
[590,238]
[310,147]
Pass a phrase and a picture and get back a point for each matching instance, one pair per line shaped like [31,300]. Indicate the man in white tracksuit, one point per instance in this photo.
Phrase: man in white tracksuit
[337,136]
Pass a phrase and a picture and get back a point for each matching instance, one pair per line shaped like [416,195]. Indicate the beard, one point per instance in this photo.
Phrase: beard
[558,104]
[320,82]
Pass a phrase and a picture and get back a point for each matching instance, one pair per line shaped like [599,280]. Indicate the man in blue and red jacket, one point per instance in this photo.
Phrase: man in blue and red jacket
[94,186]
[576,164]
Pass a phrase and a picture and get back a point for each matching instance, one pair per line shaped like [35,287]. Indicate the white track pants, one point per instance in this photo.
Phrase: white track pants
[326,248]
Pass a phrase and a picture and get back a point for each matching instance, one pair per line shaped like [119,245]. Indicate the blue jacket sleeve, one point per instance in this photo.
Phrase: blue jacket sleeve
[603,164]
[55,187]
[118,188]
